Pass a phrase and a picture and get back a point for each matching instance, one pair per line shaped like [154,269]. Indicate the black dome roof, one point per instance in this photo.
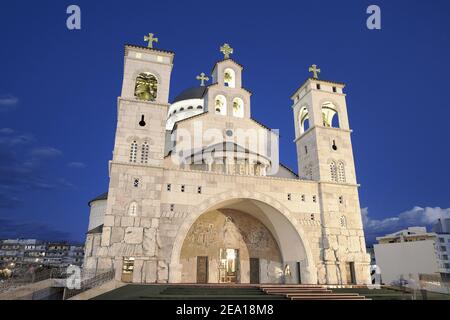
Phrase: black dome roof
[103,196]
[191,93]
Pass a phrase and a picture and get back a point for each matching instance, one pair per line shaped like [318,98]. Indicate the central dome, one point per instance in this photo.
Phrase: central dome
[191,93]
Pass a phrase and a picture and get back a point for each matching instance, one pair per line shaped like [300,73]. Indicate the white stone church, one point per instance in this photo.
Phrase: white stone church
[197,193]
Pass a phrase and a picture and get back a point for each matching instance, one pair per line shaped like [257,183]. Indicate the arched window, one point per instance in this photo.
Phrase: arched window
[229,78]
[199,107]
[146,87]
[330,115]
[133,151]
[238,107]
[341,171]
[133,209]
[303,120]
[144,152]
[220,105]
[333,171]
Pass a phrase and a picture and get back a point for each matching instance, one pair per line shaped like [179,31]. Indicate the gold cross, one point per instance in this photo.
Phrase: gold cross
[202,79]
[315,71]
[150,40]
[226,50]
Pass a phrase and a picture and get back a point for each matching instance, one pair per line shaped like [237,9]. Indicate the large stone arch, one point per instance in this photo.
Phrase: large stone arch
[289,233]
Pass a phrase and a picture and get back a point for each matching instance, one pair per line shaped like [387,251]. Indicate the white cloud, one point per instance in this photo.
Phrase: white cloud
[6,131]
[45,152]
[8,101]
[76,165]
[417,216]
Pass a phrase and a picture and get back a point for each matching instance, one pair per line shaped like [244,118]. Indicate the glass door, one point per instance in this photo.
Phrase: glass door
[229,265]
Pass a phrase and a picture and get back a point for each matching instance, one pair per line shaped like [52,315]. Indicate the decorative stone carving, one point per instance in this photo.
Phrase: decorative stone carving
[134,235]
[150,243]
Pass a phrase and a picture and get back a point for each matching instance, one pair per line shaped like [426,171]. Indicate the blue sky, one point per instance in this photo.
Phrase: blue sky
[59,88]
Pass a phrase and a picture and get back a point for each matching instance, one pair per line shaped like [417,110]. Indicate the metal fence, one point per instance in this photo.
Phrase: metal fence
[89,283]
[28,278]
[60,277]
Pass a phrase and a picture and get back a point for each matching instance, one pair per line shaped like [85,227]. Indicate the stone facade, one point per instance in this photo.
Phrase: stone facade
[163,214]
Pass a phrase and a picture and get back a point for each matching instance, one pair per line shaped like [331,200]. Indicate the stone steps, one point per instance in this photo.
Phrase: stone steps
[301,292]
[211,297]
[286,291]
[327,298]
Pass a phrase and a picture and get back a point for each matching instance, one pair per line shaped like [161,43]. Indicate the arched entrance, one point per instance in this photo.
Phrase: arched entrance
[256,236]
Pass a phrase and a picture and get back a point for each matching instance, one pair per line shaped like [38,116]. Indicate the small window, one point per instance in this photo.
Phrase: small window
[181,109]
[133,151]
[172,207]
[334,146]
[318,86]
[343,222]
[142,122]
[289,196]
[190,107]
[314,199]
[341,199]
[144,152]
[136,183]
[182,188]
[199,190]
[169,187]
[306,149]
[334,89]
[441,240]
[132,209]
[313,217]
[303,198]
[174,111]
[199,107]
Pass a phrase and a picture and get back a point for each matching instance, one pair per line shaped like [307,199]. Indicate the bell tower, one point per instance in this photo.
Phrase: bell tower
[324,153]
[131,222]
[143,105]
[322,133]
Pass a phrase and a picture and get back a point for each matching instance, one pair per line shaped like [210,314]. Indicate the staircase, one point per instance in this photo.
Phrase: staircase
[226,292]
[210,292]
[308,292]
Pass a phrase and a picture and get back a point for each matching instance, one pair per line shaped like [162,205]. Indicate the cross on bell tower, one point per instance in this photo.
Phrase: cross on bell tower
[150,39]
[315,71]
[202,79]
[226,50]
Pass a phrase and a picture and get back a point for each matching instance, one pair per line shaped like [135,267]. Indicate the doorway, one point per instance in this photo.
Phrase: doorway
[202,269]
[350,269]
[254,270]
[127,269]
[229,266]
